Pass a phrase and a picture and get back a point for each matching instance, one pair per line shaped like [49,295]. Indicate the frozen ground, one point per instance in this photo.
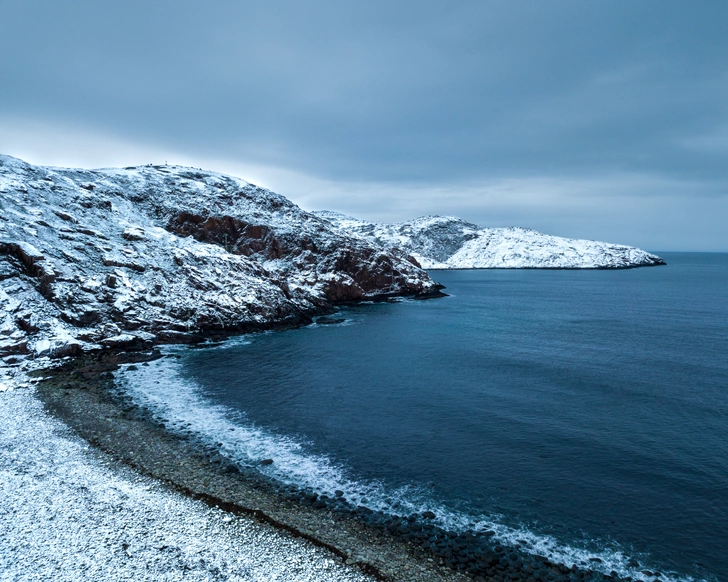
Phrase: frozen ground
[66,513]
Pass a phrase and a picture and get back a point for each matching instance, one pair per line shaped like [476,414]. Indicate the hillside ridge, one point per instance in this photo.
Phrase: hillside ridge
[130,257]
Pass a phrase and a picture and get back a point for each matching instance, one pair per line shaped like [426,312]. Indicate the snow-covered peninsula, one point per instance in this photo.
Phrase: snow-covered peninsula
[128,258]
[102,264]
[447,242]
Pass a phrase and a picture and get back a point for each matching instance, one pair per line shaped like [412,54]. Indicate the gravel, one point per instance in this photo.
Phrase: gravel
[68,513]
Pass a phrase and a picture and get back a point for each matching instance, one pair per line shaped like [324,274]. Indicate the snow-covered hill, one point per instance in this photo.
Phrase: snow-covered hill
[154,254]
[446,242]
[136,256]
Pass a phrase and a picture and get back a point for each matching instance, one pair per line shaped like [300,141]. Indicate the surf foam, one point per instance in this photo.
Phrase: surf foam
[179,404]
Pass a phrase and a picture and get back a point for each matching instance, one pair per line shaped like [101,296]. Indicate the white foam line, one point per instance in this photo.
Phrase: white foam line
[346,323]
[177,402]
[67,514]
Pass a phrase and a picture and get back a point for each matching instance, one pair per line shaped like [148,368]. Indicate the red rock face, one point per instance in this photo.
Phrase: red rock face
[236,236]
[347,269]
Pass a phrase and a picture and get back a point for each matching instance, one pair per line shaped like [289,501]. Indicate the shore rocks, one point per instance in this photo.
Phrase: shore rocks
[82,392]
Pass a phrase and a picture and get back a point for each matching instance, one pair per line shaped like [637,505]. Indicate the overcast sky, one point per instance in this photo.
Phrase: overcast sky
[594,119]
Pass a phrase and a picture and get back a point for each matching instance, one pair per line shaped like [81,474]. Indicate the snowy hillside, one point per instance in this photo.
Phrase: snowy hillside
[136,256]
[446,242]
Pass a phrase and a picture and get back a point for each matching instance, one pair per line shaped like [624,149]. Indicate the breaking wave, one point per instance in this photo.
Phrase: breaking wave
[179,405]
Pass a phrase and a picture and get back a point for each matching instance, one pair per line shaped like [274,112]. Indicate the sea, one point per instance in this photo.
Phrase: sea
[578,414]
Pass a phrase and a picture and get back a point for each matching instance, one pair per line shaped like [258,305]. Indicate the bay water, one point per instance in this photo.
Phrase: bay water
[579,414]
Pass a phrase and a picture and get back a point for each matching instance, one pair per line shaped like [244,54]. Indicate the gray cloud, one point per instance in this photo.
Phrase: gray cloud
[402,97]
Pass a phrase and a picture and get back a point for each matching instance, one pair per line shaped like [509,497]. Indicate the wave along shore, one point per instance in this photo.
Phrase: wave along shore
[138,412]
[69,512]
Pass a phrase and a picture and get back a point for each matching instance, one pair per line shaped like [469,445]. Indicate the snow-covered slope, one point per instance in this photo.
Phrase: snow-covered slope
[158,254]
[446,242]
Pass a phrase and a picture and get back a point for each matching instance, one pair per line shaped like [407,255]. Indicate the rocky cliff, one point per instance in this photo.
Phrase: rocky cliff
[136,256]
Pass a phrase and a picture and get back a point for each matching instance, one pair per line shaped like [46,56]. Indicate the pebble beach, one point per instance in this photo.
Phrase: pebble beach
[68,512]
[94,489]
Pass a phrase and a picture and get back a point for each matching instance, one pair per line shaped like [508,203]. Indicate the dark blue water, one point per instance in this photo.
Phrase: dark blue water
[591,406]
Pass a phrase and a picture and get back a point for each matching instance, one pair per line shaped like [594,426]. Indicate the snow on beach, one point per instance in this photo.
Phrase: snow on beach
[66,513]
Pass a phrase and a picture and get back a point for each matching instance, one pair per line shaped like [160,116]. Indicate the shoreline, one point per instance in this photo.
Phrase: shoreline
[81,394]
[69,511]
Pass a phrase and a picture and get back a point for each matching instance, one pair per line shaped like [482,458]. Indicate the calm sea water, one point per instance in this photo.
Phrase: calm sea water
[583,412]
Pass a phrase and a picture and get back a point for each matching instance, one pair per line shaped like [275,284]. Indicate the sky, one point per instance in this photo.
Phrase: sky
[601,120]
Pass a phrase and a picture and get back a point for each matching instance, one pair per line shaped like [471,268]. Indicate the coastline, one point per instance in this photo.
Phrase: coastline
[69,511]
[80,392]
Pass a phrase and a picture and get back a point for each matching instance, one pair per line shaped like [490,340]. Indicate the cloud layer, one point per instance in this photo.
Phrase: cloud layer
[568,116]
